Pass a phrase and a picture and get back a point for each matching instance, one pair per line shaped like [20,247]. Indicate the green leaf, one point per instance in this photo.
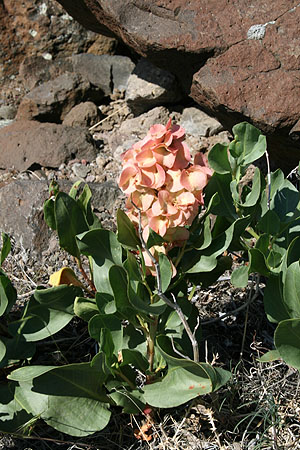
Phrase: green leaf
[132,267]
[127,234]
[274,304]
[60,298]
[70,221]
[2,350]
[69,398]
[112,342]
[39,321]
[287,341]
[154,239]
[119,283]
[6,247]
[257,262]
[13,416]
[253,196]
[285,201]
[85,308]
[132,402]
[220,183]
[270,356]
[135,358]
[184,380]
[249,142]
[291,290]
[8,295]
[165,271]
[199,263]
[105,250]
[269,223]
[218,159]
[16,349]
[207,279]
[49,213]
[204,240]
[277,180]
[74,189]
[239,277]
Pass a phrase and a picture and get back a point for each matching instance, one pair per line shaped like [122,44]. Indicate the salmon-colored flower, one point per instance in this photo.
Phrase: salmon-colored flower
[163,184]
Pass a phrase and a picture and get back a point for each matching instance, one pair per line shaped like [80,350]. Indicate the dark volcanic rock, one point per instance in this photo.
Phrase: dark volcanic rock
[24,143]
[240,60]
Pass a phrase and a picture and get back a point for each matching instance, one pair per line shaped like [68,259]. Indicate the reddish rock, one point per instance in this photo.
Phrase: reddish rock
[83,115]
[24,143]
[239,60]
[37,28]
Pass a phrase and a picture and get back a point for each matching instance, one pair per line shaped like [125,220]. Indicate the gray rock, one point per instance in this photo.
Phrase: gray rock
[8,112]
[51,101]
[83,115]
[198,123]
[107,72]
[132,130]
[21,212]
[80,170]
[149,86]
[25,143]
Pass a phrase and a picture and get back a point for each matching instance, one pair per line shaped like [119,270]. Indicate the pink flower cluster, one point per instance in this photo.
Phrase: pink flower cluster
[159,177]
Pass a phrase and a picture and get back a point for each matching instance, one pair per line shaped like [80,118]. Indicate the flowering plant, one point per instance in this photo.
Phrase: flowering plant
[146,329]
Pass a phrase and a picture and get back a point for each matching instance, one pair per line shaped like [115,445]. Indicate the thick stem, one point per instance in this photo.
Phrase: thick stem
[85,276]
[151,342]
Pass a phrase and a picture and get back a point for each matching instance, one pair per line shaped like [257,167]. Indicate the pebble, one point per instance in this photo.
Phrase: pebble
[80,170]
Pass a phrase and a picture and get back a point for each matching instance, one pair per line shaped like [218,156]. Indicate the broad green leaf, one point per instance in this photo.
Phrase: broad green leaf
[207,279]
[285,201]
[218,159]
[154,239]
[49,214]
[6,247]
[13,416]
[105,303]
[60,298]
[85,308]
[132,402]
[257,262]
[287,341]
[111,323]
[204,240]
[199,263]
[270,356]
[127,234]
[132,267]
[269,223]
[165,271]
[263,243]
[84,199]
[277,180]
[39,321]
[119,282]
[135,358]
[291,290]
[220,183]
[254,194]
[105,250]
[239,277]
[142,304]
[70,221]
[184,381]
[69,398]
[16,349]
[249,142]
[274,260]
[275,307]
[8,295]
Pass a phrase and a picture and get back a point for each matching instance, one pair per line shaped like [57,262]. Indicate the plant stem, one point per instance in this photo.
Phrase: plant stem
[174,305]
[85,276]
[151,342]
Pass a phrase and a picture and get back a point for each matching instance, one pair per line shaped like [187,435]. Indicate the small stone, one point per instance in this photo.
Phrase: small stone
[80,170]
[100,161]
[90,178]
[198,123]
[8,112]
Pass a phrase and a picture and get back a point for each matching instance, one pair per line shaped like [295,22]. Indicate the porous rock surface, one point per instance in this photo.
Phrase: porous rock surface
[239,60]
[27,142]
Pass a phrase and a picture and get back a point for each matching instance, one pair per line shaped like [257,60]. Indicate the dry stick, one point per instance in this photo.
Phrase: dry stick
[172,305]
[106,118]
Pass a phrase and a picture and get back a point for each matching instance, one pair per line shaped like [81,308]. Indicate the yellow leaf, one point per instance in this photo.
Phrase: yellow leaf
[64,276]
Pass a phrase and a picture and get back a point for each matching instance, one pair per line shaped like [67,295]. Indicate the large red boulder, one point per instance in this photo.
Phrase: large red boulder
[239,60]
